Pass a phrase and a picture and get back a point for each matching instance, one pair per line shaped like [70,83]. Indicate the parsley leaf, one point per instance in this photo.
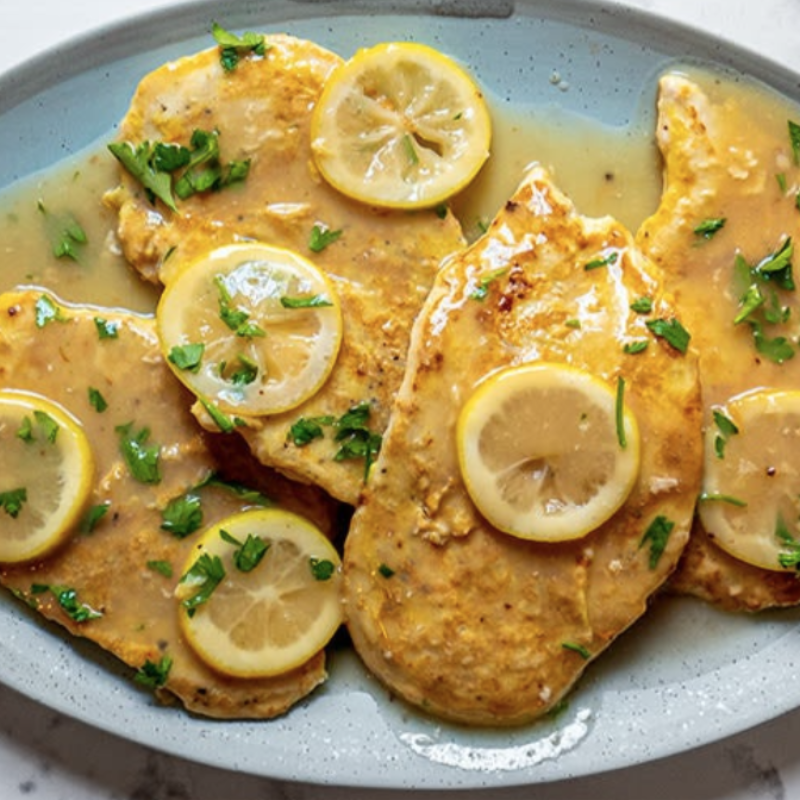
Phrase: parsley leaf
[232,46]
[221,420]
[161,567]
[235,318]
[93,516]
[97,401]
[790,558]
[620,413]
[154,675]
[577,648]
[721,498]
[313,301]
[321,569]
[107,329]
[709,227]
[306,429]
[249,553]
[671,331]
[12,501]
[657,534]
[482,292]
[46,311]
[386,571]
[245,493]
[68,600]
[142,459]
[182,515]
[203,577]
[188,356]
[642,305]
[138,162]
[636,346]
[321,237]
[64,232]
[726,427]
[48,425]
[596,263]
[794,139]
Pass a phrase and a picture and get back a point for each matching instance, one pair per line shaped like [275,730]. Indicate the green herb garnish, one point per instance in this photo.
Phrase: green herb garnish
[671,331]
[46,311]
[596,263]
[203,577]
[577,648]
[68,600]
[322,237]
[313,301]
[12,501]
[161,567]
[385,571]
[188,356]
[232,47]
[96,400]
[657,535]
[637,346]
[642,305]
[709,227]
[141,458]
[620,413]
[93,516]
[153,675]
[485,282]
[249,553]
[321,568]
[182,515]
[106,329]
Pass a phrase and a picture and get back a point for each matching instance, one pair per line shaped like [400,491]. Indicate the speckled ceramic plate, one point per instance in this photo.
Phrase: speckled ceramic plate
[684,676]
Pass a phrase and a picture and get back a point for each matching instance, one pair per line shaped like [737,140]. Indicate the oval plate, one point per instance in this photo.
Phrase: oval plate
[655,693]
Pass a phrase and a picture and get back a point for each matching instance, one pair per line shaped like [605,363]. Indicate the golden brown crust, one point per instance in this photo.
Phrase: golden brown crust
[472,623]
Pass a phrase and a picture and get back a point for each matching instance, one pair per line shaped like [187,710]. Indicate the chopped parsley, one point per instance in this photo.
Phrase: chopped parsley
[794,139]
[722,498]
[321,237]
[481,293]
[726,427]
[642,305]
[96,400]
[709,227]
[232,47]
[64,232]
[68,600]
[106,329]
[657,536]
[671,331]
[225,423]
[154,675]
[161,567]
[13,500]
[141,458]
[182,515]
[577,648]
[385,571]
[759,302]
[636,346]
[46,311]
[791,556]
[352,432]
[203,577]
[321,568]
[187,357]
[604,261]
[244,374]
[167,170]
[93,516]
[313,301]
[235,318]
[620,413]
[249,553]
[25,430]
[244,493]
[47,426]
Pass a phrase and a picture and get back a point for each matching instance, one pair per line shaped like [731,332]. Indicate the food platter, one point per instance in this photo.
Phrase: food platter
[658,691]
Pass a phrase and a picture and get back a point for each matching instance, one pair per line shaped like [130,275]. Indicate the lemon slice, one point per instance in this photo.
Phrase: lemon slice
[255,329]
[547,452]
[46,475]
[260,594]
[750,503]
[400,125]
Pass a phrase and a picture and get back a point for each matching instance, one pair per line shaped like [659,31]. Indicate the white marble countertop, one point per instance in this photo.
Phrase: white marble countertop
[47,756]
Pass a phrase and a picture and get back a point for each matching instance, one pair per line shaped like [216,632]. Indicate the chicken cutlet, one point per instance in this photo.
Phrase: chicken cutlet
[728,200]
[63,351]
[382,262]
[451,614]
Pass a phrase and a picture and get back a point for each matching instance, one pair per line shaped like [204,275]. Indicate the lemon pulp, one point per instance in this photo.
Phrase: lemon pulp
[750,503]
[46,474]
[547,452]
[273,617]
[400,125]
[255,329]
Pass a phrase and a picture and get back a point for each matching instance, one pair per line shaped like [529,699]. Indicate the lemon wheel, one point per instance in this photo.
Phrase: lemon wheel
[260,594]
[400,125]
[547,452]
[750,503]
[46,475]
[255,329]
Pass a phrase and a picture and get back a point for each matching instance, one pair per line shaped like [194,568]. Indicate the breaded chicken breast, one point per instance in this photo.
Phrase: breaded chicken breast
[451,614]
[382,263]
[111,567]
[723,159]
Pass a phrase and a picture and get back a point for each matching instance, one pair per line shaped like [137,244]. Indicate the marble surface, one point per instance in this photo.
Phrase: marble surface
[47,756]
